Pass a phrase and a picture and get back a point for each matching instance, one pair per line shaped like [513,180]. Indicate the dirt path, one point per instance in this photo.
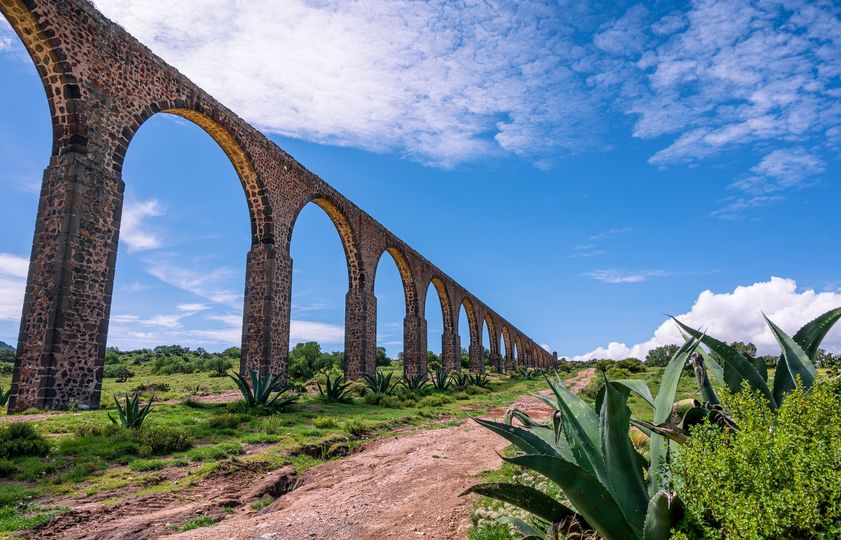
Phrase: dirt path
[406,486]
[403,487]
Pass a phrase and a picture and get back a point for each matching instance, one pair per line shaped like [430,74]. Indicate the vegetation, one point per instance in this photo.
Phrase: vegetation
[22,440]
[777,476]
[441,379]
[336,390]
[417,384]
[742,472]
[380,384]
[131,416]
[257,390]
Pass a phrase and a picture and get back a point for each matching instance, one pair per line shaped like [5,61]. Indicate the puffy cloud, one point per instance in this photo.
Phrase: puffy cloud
[13,270]
[737,316]
[134,231]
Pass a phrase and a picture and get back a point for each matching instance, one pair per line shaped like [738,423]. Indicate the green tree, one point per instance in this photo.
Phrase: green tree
[382,357]
[744,348]
[306,359]
[660,356]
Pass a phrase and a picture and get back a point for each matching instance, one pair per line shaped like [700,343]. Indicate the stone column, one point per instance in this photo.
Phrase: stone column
[457,348]
[450,350]
[509,361]
[414,346]
[266,313]
[496,361]
[67,303]
[360,310]
[476,363]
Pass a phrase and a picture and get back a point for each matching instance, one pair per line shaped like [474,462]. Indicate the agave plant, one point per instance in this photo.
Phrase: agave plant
[258,391]
[727,365]
[131,416]
[441,379]
[480,379]
[4,396]
[380,383]
[587,452]
[460,380]
[418,383]
[335,390]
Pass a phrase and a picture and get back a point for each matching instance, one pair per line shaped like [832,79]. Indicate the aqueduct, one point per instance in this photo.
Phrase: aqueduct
[102,85]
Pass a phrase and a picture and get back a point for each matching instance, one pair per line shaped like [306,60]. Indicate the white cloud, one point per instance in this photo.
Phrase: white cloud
[191,308]
[546,347]
[134,232]
[13,270]
[436,81]
[206,283]
[315,331]
[737,316]
[8,39]
[612,275]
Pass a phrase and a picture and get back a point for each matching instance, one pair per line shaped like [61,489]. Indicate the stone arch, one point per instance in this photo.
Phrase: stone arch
[410,292]
[521,354]
[444,299]
[256,193]
[471,320]
[509,353]
[346,234]
[70,132]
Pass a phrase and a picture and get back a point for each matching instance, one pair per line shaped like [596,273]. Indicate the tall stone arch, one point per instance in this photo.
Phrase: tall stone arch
[449,348]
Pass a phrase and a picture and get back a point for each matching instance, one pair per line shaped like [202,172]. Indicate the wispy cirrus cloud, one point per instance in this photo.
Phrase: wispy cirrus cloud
[612,275]
[13,270]
[134,229]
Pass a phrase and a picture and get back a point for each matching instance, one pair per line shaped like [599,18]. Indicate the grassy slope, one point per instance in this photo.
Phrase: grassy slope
[109,466]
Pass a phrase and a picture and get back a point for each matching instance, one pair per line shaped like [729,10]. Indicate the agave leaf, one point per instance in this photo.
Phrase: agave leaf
[600,396]
[759,366]
[737,368]
[587,454]
[584,414]
[705,387]
[522,438]
[623,465]
[783,382]
[795,359]
[560,445]
[638,387]
[586,493]
[810,336]
[710,363]
[527,531]
[662,515]
[525,497]
[658,448]
[669,431]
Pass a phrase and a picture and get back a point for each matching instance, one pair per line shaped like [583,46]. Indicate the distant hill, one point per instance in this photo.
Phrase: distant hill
[4,346]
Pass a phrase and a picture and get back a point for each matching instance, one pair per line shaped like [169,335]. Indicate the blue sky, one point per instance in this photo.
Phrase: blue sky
[585,168]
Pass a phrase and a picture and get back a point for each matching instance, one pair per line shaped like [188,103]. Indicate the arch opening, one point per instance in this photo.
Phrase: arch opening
[392,281]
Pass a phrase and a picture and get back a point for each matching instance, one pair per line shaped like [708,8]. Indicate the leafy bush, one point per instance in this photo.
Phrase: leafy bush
[131,416]
[144,465]
[632,365]
[157,440]
[778,476]
[219,366]
[355,428]
[21,439]
[435,400]
[224,421]
[152,387]
[325,422]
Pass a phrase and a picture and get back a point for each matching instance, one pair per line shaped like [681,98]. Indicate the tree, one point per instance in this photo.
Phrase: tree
[744,348]
[433,361]
[465,358]
[122,374]
[660,356]
[382,357]
[219,366]
[306,359]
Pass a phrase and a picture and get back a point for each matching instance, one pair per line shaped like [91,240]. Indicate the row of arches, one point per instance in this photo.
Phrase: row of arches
[102,86]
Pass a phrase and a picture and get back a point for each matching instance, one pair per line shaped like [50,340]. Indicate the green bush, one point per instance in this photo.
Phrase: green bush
[778,476]
[223,421]
[355,427]
[156,440]
[143,465]
[21,439]
[325,422]
[435,401]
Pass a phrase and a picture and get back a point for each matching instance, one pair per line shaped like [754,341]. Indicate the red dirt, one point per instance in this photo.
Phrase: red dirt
[405,486]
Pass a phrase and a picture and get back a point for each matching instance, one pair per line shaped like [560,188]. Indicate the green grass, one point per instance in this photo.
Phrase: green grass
[262,503]
[194,523]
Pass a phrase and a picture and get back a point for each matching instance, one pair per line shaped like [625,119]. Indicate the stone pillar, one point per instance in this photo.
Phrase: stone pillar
[266,312]
[67,303]
[359,331]
[414,346]
[509,361]
[450,351]
[496,361]
[476,360]
[457,347]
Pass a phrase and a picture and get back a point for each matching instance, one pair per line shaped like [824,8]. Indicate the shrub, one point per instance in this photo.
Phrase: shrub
[434,401]
[143,465]
[325,422]
[335,390]
[416,384]
[156,440]
[257,392]
[632,365]
[21,439]
[380,383]
[219,366]
[152,387]
[355,428]
[776,477]
[223,421]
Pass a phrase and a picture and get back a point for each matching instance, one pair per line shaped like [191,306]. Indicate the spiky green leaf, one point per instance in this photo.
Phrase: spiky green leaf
[810,336]
[664,513]
[525,497]
[798,363]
